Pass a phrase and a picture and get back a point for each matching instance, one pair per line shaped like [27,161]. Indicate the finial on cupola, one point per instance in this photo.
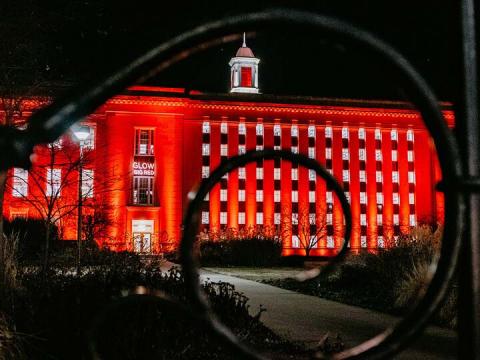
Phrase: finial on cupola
[244,70]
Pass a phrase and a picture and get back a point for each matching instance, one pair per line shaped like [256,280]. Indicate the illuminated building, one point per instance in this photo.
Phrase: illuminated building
[158,143]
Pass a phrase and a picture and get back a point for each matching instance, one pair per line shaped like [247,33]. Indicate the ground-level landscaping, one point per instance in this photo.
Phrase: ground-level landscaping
[390,280]
[121,308]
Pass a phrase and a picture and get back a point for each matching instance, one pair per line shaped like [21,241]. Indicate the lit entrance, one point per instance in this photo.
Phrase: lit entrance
[142,231]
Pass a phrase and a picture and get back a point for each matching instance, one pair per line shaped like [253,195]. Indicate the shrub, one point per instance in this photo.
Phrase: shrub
[65,309]
[8,270]
[244,252]
[10,342]
[31,234]
[251,246]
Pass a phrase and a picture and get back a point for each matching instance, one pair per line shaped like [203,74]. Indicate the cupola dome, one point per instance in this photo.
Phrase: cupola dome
[244,71]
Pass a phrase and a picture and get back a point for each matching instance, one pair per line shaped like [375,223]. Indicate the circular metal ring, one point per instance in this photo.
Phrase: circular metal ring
[49,123]
[192,221]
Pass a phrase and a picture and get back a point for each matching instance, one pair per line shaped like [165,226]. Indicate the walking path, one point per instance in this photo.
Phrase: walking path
[307,318]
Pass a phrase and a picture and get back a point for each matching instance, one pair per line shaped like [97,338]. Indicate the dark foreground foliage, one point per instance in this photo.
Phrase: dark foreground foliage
[124,310]
[31,237]
[391,281]
[250,246]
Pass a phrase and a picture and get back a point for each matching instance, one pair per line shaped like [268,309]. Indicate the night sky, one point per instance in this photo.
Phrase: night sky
[71,42]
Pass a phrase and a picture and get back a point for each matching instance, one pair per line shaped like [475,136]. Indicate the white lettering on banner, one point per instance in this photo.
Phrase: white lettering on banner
[143,168]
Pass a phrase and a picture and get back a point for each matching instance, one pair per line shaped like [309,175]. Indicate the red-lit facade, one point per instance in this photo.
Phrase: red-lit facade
[153,146]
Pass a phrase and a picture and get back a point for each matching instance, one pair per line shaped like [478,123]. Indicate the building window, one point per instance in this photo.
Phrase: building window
[87,183]
[396,219]
[241,195]
[412,220]
[396,199]
[223,150]
[205,172]
[363,219]
[294,196]
[259,129]
[205,149]
[144,142]
[295,241]
[205,217]
[241,218]
[241,173]
[294,131]
[241,149]
[242,130]
[20,182]
[362,176]
[329,219]
[361,133]
[409,135]
[89,143]
[311,131]
[259,173]
[294,174]
[276,196]
[259,218]
[411,198]
[276,130]
[54,180]
[246,76]
[206,127]
[294,219]
[224,128]
[143,190]
[328,132]
[328,153]
[329,197]
[276,218]
[311,153]
[311,196]
[259,195]
[223,218]
[363,198]
[362,155]
[379,198]
[394,135]
[276,173]
[223,194]
[411,177]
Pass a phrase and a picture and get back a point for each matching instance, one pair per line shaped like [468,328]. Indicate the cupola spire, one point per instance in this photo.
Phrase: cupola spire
[244,70]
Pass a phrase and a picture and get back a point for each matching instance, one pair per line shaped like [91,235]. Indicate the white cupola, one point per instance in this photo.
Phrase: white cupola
[244,71]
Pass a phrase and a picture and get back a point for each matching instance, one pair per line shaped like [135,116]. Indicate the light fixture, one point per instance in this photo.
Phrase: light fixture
[81,132]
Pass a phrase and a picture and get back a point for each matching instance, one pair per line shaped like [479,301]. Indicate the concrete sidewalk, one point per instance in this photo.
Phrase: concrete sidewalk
[307,318]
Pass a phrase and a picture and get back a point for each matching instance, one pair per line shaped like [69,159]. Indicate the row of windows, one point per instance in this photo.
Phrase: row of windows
[53,185]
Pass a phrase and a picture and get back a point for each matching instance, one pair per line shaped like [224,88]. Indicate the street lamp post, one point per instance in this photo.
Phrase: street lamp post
[81,133]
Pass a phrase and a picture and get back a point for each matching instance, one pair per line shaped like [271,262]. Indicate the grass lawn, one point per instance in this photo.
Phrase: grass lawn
[259,274]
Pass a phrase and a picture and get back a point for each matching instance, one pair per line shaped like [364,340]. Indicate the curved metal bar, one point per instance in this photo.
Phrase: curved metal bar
[47,124]
[191,222]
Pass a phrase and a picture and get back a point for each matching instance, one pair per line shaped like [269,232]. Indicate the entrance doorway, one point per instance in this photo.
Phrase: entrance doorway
[142,231]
